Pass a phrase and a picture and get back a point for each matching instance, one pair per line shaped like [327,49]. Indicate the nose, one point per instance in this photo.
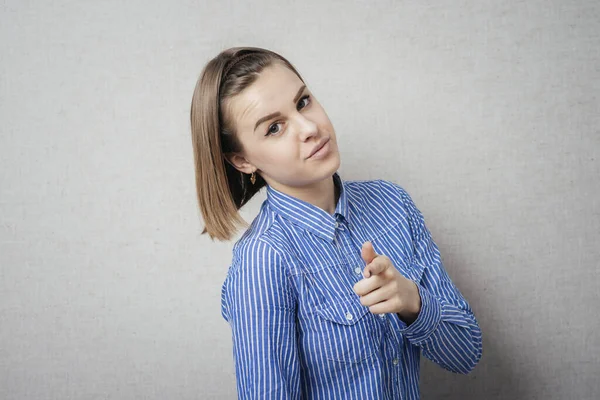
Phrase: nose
[306,127]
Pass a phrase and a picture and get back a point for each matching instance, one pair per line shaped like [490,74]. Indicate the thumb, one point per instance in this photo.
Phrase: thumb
[368,252]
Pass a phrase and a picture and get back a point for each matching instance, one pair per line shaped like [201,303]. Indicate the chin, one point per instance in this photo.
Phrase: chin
[332,166]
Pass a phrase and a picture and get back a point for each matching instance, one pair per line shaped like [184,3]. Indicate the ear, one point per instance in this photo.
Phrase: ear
[240,163]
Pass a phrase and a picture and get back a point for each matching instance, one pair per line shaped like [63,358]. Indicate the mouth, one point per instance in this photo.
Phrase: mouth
[318,147]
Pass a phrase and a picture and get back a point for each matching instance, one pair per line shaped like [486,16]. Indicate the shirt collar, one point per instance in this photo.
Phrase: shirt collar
[308,216]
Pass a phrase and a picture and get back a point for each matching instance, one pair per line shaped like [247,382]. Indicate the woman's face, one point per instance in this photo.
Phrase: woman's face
[280,123]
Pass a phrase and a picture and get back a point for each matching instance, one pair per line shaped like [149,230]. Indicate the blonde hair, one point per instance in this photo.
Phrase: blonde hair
[222,189]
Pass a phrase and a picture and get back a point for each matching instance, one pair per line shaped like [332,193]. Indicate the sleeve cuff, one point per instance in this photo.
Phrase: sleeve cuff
[428,319]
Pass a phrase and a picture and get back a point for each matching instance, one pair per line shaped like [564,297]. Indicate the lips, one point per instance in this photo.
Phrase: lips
[318,147]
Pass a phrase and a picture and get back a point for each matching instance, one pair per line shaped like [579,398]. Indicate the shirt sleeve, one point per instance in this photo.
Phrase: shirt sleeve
[446,329]
[260,306]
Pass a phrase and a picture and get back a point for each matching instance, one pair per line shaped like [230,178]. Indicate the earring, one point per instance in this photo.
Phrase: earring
[253,178]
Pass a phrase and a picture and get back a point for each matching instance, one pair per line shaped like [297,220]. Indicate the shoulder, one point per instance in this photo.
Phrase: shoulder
[257,279]
[259,246]
[256,254]
[380,194]
[258,266]
[376,189]
[414,216]
[258,227]
[385,200]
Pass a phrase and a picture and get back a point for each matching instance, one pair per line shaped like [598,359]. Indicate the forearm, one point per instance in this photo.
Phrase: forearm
[448,335]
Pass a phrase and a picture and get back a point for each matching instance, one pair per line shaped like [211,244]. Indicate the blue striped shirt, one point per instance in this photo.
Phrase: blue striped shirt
[300,332]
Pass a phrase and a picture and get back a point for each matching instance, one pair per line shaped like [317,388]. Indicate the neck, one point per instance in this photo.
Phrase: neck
[323,194]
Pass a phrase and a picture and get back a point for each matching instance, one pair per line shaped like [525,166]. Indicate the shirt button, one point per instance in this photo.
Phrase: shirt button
[395,361]
[349,316]
[382,316]
[337,224]
[358,270]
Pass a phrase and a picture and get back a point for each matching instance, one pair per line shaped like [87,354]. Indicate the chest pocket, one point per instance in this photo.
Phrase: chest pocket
[348,331]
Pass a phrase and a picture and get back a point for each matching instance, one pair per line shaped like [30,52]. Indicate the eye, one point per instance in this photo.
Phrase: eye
[274,128]
[303,102]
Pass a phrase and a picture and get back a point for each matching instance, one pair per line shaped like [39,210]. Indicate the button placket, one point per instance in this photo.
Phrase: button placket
[342,241]
[347,230]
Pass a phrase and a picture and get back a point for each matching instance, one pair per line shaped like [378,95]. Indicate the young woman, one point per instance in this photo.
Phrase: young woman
[336,287]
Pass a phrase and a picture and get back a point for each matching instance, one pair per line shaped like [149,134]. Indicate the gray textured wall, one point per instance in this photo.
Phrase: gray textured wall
[486,112]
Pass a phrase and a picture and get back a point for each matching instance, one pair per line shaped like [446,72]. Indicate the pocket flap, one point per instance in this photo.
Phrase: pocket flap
[345,312]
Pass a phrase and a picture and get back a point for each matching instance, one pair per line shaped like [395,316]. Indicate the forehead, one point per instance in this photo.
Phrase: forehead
[274,89]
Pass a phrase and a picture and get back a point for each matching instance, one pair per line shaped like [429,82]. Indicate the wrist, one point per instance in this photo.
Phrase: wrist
[411,312]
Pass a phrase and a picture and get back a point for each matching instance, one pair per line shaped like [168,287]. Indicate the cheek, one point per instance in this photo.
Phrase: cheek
[279,154]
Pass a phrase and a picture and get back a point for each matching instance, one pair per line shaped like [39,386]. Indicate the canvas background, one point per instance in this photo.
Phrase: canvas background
[486,112]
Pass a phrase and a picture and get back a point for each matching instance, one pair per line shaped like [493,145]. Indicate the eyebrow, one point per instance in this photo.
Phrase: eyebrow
[276,114]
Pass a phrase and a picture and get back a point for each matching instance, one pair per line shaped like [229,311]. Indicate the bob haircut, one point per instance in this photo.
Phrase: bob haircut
[222,189]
